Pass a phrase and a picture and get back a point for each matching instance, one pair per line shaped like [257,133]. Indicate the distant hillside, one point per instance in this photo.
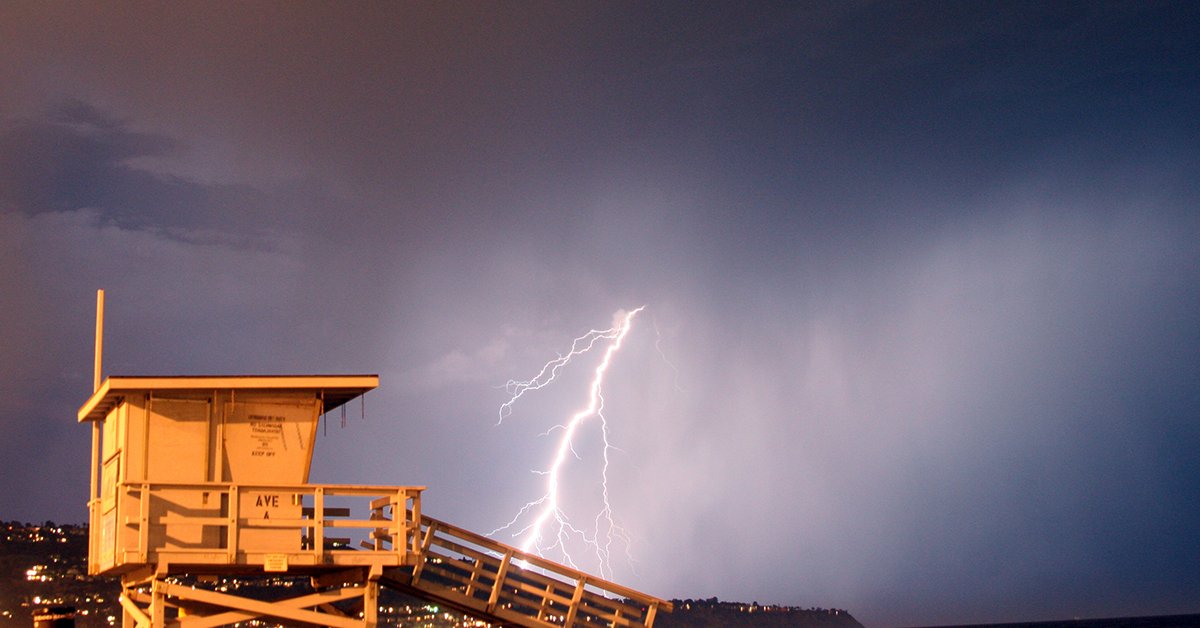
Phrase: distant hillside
[46,565]
[711,613]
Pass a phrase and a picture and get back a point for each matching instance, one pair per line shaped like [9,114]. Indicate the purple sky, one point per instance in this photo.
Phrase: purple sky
[922,335]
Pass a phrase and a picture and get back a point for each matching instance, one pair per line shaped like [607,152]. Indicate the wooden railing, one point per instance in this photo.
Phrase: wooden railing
[270,525]
[498,582]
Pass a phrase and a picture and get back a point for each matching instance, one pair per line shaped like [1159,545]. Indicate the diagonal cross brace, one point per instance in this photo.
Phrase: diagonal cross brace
[244,609]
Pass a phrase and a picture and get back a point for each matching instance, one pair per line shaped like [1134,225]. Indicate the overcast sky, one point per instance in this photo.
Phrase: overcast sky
[922,280]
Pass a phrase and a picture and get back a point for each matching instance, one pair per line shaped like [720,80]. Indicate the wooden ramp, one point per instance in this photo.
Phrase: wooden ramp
[501,584]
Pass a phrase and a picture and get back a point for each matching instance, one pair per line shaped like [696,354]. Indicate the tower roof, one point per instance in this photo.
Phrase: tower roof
[334,389]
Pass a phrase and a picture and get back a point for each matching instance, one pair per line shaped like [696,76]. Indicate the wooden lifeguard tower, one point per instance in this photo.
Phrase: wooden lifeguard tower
[199,477]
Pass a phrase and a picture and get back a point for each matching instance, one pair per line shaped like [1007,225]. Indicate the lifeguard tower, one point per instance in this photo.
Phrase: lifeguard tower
[195,478]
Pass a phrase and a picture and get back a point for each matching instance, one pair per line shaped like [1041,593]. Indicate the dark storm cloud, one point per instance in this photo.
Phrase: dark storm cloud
[71,161]
[922,279]
[78,158]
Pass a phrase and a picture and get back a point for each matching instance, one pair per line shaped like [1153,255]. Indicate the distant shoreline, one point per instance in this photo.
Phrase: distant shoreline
[1152,621]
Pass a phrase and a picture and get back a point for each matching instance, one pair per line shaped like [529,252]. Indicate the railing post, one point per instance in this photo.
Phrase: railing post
[414,526]
[319,524]
[423,555]
[474,579]
[575,599]
[650,613]
[400,528]
[544,609]
[501,574]
[234,529]
[143,525]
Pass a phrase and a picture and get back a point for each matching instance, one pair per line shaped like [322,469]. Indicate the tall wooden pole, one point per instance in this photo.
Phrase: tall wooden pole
[99,338]
[94,497]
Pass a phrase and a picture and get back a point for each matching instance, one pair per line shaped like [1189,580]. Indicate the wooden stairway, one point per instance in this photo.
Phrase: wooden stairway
[506,586]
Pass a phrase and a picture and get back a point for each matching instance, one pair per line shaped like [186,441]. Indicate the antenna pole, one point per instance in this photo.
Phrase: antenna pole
[99,338]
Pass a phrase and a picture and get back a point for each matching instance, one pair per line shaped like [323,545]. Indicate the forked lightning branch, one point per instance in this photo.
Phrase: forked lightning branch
[542,525]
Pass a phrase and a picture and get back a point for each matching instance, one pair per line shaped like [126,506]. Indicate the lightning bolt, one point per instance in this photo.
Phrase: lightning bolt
[546,510]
